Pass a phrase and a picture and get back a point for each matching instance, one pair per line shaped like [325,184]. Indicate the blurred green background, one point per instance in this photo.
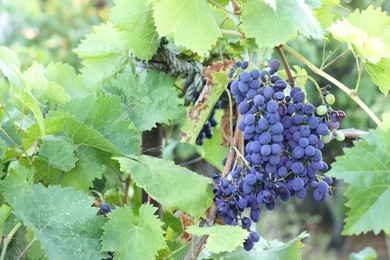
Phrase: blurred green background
[48,30]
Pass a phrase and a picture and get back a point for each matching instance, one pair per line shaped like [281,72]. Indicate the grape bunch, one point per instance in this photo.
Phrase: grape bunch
[283,140]
[207,130]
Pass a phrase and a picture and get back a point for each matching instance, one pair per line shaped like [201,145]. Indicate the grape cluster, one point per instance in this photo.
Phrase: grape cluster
[207,130]
[105,208]
[283,141]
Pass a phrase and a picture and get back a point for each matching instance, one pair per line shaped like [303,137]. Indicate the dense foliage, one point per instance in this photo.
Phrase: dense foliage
[77,175]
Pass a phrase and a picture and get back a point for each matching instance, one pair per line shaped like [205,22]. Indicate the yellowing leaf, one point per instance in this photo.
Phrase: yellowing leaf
[367,31]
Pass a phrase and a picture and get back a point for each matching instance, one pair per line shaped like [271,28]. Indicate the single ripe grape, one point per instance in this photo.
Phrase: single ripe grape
[274,65]
[244,65]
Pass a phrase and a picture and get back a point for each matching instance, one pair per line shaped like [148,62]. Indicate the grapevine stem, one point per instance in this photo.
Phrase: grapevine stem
[232,32]
[230,113]
[10,118]
[196,246]
[349,92]
[335,59]
[236,6]
[26,249]
[10,138]
[221,7]
[361,66]
[127,188]
[286,66]
[8,239]
[318,89]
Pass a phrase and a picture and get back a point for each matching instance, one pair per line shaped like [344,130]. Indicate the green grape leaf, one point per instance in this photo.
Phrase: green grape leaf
[107,115]
[221,238]
[272,4]
[133,237]
[33,104]
[59,153]
[189,21]
[380,74]
[325,13]
[288,18]
[62,220]
[42,88]
[80,134]
[386,121]
[5,212]
[19,179]
[44,172]
[2,149]
[35,251]
[201,111]
[300,77]
[10,66]
[366,170]
[65,75]
[150,97]
[368,253]
[53,126]
[135,19]
[172,186]
[105,52]
[268,250]
[87,169]
[367,31]
[211,150]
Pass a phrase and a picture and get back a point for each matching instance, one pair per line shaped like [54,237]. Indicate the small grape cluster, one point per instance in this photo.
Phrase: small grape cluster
[283,141]
[105,208]
[207,130]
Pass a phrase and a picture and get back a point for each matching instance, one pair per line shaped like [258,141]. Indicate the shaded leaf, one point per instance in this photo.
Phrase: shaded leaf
[18,180]
[88,168]
[59,153]
[172,186]
[150,97]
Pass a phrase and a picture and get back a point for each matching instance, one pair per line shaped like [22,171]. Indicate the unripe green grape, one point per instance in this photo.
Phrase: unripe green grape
[321,110]
[326,139]
[340,136]
[330,99]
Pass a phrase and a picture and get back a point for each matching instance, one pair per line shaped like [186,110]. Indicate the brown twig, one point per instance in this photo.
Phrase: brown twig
[237,7]
[286,66]
[26,249]
[232,32]
[221,7]
[199,242]
[127,188]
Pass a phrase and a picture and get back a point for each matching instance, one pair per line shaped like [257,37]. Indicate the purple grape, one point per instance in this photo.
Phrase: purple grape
[297,184]
[274,65]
